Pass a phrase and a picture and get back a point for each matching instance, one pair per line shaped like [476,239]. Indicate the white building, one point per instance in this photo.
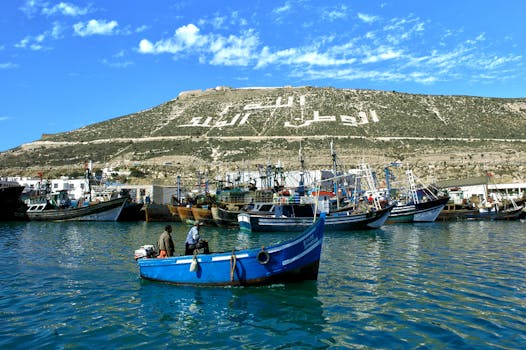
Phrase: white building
[75,187]
[461,190]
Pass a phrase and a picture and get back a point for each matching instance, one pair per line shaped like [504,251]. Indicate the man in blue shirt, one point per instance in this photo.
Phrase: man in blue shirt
[194,241]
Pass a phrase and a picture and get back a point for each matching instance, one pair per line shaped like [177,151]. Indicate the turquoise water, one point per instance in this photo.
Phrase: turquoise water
[408,286]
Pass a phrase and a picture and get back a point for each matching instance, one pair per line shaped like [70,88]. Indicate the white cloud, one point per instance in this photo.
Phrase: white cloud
[213,48]
[381,54]
[234,50]
[118,60]
[57,30]
[8,65]
[218,21]
[367,18]
[65,9]
[34,7]
[117,64]
[495,62]
[185,37]
[188,34]
[95,27]
[141,29]
[336,14]
[146,46]
[321,59]
[31,7]
[37,42]
[285,8]
[398,30]
[119,54]
[34,43]
[393,49]
[266,57]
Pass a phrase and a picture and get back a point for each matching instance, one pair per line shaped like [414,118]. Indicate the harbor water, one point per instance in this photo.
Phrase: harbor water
[458,285]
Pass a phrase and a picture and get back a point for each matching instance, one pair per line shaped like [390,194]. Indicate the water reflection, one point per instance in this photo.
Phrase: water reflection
[231,317]
[445,285]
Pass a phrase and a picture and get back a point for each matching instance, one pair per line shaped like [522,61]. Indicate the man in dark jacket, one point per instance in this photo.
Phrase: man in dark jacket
[166,243]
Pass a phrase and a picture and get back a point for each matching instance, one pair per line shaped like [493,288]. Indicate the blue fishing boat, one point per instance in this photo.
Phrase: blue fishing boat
[291,261]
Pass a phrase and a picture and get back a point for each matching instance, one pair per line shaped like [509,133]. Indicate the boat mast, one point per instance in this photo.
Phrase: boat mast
[87,176]
[366,169]
[388,182]
[301,184]
[268,175]
[412,185]
[178,189]
[334,168]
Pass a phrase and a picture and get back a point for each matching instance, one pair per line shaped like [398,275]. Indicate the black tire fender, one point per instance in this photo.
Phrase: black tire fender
[263,257]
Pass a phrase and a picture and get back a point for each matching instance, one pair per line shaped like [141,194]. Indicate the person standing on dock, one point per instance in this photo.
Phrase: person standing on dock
[166,243]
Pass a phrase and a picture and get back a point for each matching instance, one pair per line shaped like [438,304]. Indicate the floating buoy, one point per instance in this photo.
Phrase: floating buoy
[194,264]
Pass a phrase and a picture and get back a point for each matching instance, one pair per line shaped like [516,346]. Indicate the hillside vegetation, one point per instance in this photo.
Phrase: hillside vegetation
[226,129]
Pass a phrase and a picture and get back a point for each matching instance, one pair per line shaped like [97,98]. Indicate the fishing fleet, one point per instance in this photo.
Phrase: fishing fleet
[270,199]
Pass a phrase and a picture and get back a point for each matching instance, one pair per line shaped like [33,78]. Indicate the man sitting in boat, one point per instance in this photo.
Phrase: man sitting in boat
[194,241]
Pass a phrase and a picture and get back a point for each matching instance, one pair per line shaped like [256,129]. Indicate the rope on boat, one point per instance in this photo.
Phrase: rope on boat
[233,261]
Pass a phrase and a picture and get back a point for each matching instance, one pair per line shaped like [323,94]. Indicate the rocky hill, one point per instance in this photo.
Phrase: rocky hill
[226,129]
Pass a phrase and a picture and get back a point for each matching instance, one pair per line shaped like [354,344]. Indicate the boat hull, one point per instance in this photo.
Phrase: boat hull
[504,214]
[9,201]
[341,221]
[154,212]
[174,212]
[103,211]
[203,215]
[291,261]
[225,218]
[132,212]
[453,212]
[185,214]
[420,212]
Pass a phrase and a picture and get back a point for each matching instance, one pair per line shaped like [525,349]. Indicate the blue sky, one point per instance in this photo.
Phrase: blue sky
[67,64]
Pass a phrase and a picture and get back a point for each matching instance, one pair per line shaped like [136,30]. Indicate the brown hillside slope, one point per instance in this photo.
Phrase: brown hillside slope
[225,129]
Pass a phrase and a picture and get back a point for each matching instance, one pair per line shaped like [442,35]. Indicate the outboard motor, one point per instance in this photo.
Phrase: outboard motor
[145,251]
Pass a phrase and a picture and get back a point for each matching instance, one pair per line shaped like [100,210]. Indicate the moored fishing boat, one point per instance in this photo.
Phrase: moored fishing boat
[297,210]
[132,212]
[291,261]
[157,212]
[97,211]
[173,211]
[10,192]
[456,212]
[497,213]
[185,214]
[225,217]
[418,203]
[290,217]
[203,214]
[426,211]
